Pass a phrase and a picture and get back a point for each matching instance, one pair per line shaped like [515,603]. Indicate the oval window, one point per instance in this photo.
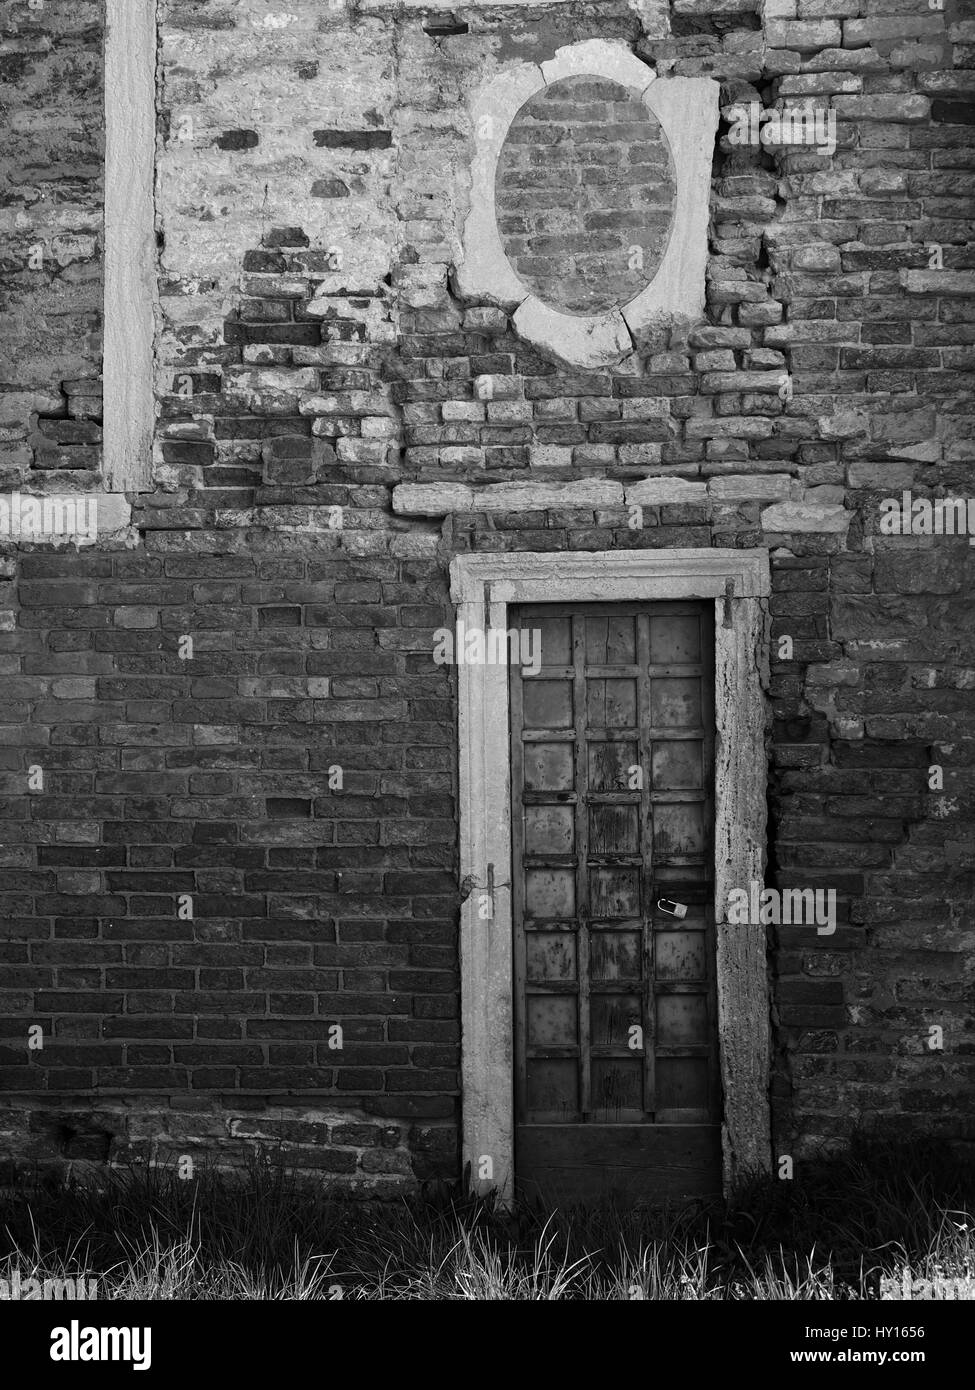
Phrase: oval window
[584,195]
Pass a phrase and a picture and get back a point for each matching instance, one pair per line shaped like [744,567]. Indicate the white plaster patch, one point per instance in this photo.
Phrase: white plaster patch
[577,340]
[597,56]
[114,513]
[65,519]
[687,109]
[485,271]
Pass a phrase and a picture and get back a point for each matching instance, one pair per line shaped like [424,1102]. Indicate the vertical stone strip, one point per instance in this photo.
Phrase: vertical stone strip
[485,943]
[130,243]
[740,830]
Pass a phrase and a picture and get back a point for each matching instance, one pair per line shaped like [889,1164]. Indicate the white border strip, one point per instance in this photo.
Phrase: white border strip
[130,243]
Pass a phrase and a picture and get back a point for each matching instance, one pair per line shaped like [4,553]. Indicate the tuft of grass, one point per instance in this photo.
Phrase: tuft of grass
[263,1234]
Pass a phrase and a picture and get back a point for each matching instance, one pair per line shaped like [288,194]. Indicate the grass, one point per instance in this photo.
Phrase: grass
[145,1234]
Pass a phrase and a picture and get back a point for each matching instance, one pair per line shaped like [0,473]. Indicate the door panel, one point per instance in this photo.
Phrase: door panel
[616,1046]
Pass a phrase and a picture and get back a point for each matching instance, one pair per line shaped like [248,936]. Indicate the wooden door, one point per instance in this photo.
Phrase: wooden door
[617,1088]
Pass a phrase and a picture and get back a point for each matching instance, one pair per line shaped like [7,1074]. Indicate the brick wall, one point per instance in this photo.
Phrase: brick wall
[51,152]
[313,181]
[585,190]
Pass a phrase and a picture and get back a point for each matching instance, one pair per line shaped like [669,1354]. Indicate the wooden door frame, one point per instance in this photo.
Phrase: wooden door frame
[483,587]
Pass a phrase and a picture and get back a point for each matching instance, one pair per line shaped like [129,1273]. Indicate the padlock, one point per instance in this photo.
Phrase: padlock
[673,909]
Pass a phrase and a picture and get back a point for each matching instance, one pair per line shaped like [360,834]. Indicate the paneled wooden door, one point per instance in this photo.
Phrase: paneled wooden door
[617,1088]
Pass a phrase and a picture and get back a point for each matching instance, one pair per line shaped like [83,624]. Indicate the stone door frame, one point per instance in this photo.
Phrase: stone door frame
[483,587]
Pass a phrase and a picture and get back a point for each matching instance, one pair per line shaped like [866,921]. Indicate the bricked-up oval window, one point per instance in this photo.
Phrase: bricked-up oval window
[584,193]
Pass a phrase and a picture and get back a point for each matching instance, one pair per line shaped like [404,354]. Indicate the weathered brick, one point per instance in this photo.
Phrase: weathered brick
[353,425]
